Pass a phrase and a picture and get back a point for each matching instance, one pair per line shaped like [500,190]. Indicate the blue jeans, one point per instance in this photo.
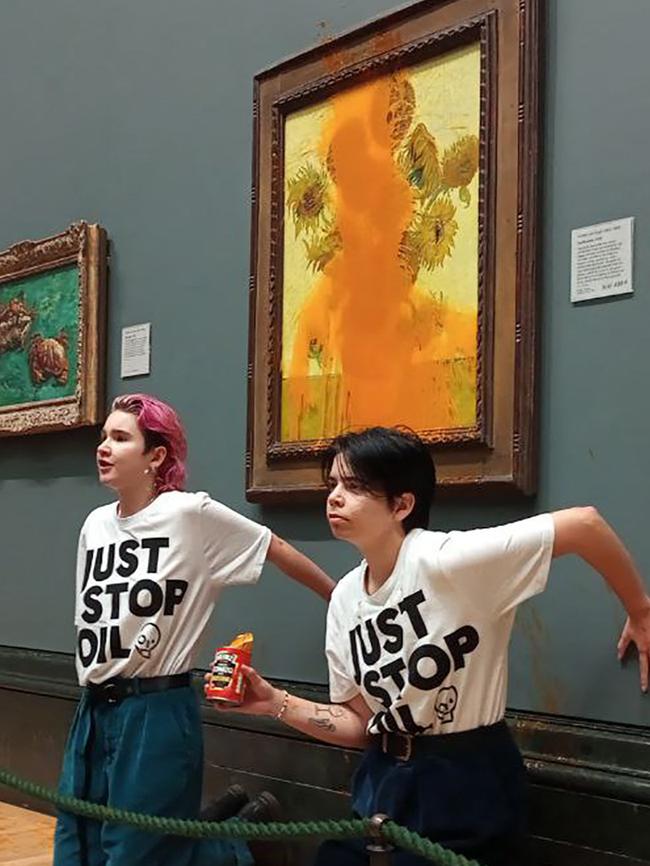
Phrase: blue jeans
[466,791]
[144,754]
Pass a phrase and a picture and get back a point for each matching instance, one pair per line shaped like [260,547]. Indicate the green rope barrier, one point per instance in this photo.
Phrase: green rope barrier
[412,842]
[345,829]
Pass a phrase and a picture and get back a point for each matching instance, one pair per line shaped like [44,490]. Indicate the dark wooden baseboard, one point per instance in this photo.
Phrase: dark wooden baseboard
[590,783]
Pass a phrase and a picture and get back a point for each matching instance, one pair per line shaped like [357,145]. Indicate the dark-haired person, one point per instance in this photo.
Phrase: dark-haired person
[417,641]
[150,569]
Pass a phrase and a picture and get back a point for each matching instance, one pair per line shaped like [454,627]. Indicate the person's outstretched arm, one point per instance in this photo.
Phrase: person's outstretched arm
[299,567]
[338,724]
[584,532]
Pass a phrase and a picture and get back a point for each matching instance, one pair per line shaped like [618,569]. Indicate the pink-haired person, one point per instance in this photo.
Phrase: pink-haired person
[150,568]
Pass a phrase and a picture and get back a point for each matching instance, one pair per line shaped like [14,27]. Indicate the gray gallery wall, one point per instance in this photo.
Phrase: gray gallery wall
[138,115]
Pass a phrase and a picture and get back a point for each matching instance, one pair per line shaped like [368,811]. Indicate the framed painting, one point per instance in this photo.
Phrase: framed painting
[393,247]
[52,331]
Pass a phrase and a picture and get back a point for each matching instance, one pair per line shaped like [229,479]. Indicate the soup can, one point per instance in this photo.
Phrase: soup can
[227,682]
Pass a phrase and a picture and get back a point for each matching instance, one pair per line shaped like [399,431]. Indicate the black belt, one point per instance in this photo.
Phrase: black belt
[116,689]
[406,747]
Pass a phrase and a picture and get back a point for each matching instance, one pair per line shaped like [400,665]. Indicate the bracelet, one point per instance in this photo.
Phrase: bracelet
[283,708]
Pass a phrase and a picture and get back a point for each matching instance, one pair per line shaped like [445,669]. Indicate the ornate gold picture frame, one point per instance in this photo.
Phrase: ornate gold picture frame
[52,331]
[393,246]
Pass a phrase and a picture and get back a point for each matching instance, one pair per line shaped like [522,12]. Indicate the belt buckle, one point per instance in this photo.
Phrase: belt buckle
[408,751]
[110,693]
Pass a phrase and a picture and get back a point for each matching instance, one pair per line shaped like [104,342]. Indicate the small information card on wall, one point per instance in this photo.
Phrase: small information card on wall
[601,260]
[136,350]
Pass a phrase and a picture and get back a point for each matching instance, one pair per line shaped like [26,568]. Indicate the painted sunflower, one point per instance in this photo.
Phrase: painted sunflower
[321,248]
[430,239]
[419,161]
[438,229]
[410,253]
[401,108]
[460,161]
[307,198]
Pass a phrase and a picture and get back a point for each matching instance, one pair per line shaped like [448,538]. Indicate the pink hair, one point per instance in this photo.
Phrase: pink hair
[160,425]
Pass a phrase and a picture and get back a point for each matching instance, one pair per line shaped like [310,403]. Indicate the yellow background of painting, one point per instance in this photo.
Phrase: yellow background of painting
[447,92]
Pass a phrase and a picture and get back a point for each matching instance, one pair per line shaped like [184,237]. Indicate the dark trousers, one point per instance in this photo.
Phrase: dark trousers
[144,754]
[466,791]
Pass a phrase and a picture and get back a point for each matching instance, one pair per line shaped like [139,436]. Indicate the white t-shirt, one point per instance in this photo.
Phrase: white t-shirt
[147,584]
[429,650]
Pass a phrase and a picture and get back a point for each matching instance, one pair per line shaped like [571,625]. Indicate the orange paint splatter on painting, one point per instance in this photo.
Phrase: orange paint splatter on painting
[389,347]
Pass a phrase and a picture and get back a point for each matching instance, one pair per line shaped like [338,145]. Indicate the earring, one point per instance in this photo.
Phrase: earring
[147,471]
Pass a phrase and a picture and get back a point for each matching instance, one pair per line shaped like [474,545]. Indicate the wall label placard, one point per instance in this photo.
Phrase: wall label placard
[601,260]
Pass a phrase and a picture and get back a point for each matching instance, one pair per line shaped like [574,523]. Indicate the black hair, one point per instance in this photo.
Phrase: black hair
[388,461]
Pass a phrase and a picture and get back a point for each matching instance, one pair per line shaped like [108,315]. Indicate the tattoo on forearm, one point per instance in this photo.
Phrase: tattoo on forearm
[324,715]
[323,724]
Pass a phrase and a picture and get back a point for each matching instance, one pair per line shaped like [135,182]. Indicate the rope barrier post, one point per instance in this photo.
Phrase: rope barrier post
[378,849]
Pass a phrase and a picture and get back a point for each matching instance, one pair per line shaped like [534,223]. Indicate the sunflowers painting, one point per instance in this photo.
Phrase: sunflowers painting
[380,253]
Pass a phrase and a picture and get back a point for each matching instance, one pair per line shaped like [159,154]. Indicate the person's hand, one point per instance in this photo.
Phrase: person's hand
[637,631]
[260,697]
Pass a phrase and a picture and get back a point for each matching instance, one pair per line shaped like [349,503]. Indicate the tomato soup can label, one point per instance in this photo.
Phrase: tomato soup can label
[227,681]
